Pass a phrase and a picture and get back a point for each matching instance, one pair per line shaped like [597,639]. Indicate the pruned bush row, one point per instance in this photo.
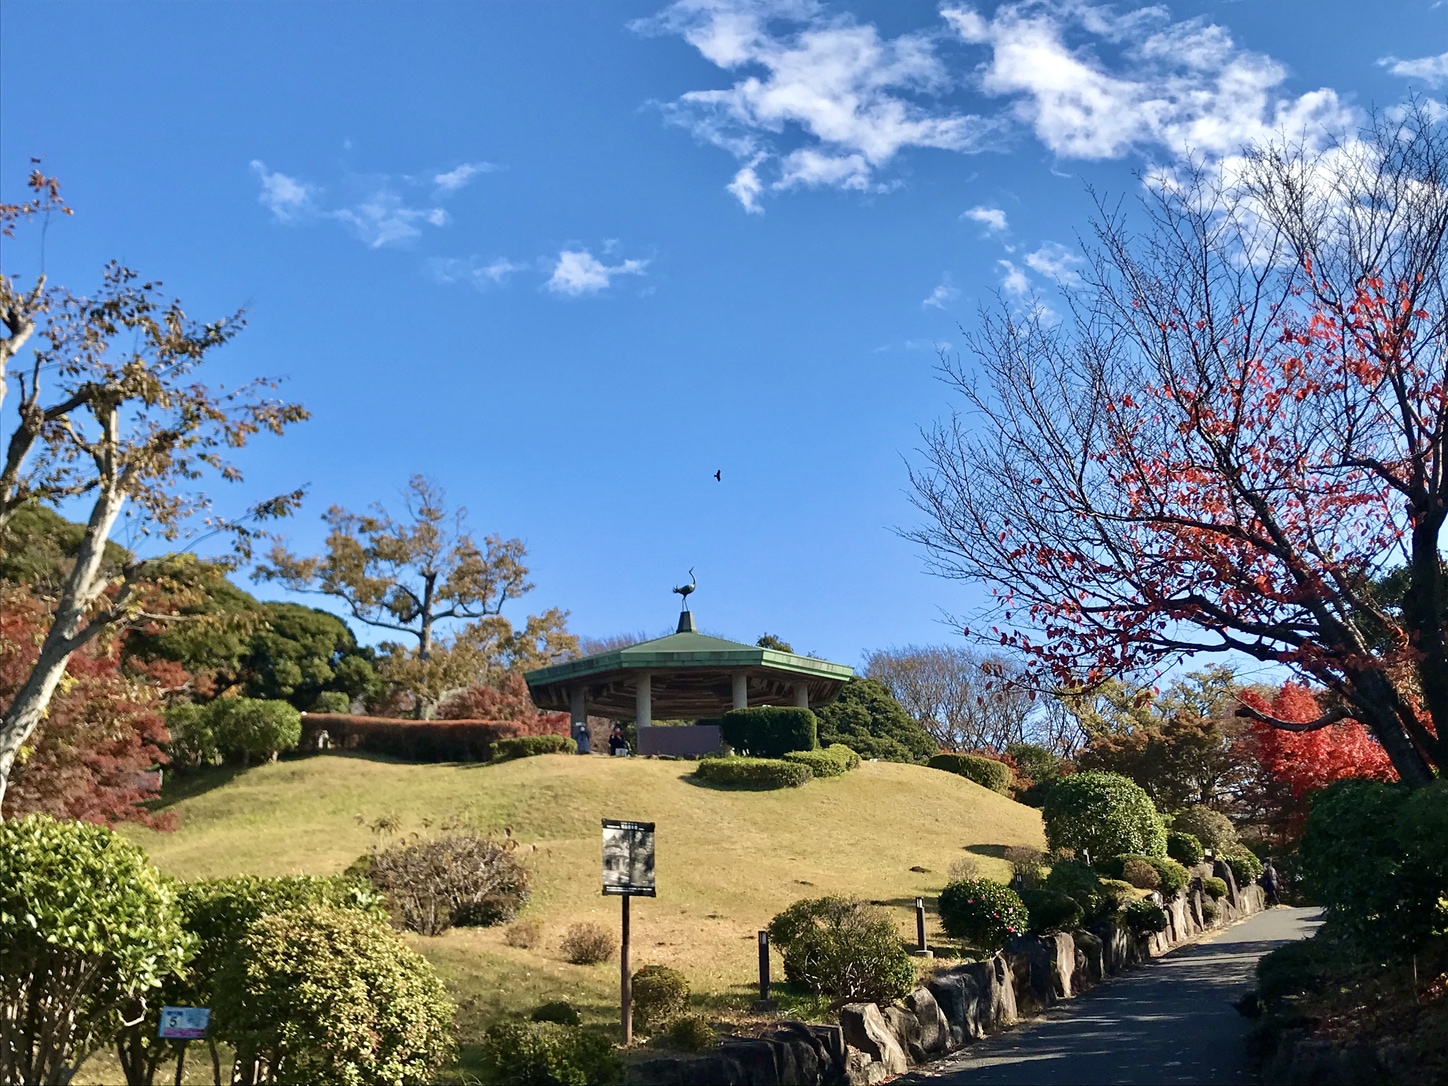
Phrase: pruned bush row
[833,761]
[425,740]
[526,746]
[769,731]
[755,773]
[986,772]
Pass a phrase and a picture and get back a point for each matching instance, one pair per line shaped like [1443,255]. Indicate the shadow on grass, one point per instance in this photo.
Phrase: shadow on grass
[995,851]
[720,786]
[193,782]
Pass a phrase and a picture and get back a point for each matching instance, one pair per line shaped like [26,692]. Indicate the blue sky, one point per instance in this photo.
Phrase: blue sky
[570,259]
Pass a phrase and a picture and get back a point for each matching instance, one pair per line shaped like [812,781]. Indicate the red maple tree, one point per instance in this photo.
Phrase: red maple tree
[1307,761]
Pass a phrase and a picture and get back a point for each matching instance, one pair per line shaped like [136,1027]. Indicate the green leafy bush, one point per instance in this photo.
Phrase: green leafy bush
[1170,877]
[1042,767]
[547,1054]
[463,878]
[332,995]
[331,701]
[1051,910]
[559,1011]
[526,746]
[1084,886]
[844,949]
[755,773]
[692,1033]
[1104,814]
[1211,828]
[769,731]
[867,719]
[87,927]
[1215,888]
[1211,911]
[588,944]
[983,913]
[1141,874]
[659,994]
[833,761]
[1244,864]
[1184,848]
[193,740]
[1144,915]
[254,727]
[986,772]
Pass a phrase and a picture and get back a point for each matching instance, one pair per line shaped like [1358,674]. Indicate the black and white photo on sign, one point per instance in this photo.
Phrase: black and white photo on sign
[628,857]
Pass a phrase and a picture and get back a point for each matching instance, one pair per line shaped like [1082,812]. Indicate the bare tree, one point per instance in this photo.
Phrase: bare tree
[1238,430]
[109,412]
[966,700]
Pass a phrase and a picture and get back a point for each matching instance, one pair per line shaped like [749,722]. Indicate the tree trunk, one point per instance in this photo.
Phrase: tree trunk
[1377,701]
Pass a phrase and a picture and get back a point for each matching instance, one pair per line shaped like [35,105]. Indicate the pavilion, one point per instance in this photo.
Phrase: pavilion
[686,675]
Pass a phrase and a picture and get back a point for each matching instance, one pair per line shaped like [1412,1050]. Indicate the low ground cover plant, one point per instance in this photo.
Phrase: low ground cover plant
[588,944]
[986,772]
[659,994]
[844,949]
[983,913]
[769,731]
[527,746]
[1099,814]
[547,1054]
[752,773]
[461,879]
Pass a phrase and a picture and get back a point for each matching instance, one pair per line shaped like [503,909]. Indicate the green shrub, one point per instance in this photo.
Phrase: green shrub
[1104,814]
[1212,829]
[1210,911]
[986,772]
[254,727]
[1043,768]
[526,746]
[1140,873]
[768,731]
[1083,886]
[547,1054]
[1215,887]
[463,878]
[867,719]
[983,913]
[588,944]
[844,949]
[755,773]
[87,928]
[331,701]
[659,994]
[332,995]
[1244,864]
[1143,916]
[834,761]
[559,1011]
[1184,848]
[692,1033]
[193,740]
[1051,910]
[1170,877]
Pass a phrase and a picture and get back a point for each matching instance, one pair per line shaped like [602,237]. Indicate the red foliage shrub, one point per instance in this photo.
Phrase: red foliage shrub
[509,700]
[1307,761]
[89,757]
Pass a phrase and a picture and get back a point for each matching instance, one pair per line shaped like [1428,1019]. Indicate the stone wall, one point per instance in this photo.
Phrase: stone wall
[958,1005]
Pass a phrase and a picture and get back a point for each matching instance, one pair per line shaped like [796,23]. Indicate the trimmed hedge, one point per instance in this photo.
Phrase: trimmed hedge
[1215,887]
[769,731]
[1104,814]
[986,772]
[1184,848]
[659,994]
[833,761]
[526,746]
[424,740]
[539,1053]
[1144,916]
[983,913]
[755,773]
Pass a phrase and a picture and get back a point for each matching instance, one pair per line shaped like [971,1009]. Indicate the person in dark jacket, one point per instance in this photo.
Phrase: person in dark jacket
[1271,882]
[617,744]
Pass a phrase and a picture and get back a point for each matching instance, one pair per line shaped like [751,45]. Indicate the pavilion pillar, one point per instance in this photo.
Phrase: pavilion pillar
[741,690]
[643,701]
[578,716]
[801,695]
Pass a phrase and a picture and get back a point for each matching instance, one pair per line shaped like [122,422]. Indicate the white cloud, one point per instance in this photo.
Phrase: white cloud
[1013,280]
[285,197]
[992,218]
[479,274]
[1431,70]
[459,176]
[941,296]
[1057,262]
[382,218]
[579,272]
[747,187]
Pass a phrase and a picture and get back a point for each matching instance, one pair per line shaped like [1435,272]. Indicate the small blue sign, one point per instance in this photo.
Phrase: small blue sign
[184,1023]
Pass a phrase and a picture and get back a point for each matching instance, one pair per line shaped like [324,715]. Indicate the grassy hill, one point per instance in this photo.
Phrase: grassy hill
[727,861]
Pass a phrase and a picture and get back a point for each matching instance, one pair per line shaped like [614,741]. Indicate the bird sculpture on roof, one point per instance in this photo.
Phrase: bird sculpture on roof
[685,589]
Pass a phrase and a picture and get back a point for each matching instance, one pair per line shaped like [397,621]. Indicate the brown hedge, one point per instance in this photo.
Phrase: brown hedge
[424,740]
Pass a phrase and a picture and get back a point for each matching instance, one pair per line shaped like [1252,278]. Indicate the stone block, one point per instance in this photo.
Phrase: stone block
[934,1029]
[905,1028]
[865,1028]
[1093,953]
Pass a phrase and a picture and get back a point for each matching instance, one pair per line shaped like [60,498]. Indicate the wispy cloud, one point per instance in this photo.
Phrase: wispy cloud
[1431,70]
[480,274]
[579,272]
[820,99]
[1013,279]
[376,209]
[941,296]
[1057,262]
[992,218]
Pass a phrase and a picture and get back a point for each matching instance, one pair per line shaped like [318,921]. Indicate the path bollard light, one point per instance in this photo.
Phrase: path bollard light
[921,950]
[764,1003]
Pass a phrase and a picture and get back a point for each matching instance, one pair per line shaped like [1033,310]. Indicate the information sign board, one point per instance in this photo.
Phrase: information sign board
[628,858]
[184,1023]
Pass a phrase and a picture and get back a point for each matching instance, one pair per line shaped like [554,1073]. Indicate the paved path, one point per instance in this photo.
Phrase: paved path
[1166,1022]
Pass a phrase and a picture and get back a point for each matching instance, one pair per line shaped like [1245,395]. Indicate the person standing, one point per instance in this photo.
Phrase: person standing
[1271,882]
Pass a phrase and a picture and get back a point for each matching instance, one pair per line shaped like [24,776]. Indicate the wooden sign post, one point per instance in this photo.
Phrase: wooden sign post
[628,872]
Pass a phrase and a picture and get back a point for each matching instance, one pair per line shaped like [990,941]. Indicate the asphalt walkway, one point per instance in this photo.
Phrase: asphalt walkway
[1168,1021]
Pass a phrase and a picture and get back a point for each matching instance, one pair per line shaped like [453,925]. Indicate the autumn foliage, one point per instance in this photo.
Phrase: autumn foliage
[89,757]
[1307,761]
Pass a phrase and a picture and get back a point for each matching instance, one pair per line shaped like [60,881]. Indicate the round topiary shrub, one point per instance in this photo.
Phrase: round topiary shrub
[86,927]
[1212,829]
[1140,874]
[1211,911]
[1214,887]
[659,993]
[1102,814]
[1144,916]
[844,949]
[547,1054]
[1184,848]
[254,727]
[983,913]
[692,1033]
[320,994]
[559,1011]
[463,878]
[1051,910]
[1244,864]
[588,944]
[986,772]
